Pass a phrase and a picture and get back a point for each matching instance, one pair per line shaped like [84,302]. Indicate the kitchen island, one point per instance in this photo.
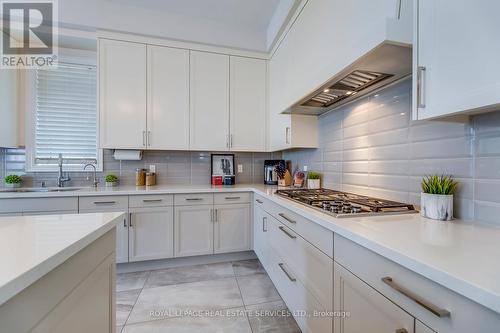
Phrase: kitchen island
[57,273]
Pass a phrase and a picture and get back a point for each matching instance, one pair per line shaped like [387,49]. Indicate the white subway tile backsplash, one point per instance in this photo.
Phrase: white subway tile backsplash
[373,147]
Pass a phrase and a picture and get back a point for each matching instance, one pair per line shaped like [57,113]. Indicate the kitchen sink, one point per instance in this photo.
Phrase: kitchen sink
[40,189]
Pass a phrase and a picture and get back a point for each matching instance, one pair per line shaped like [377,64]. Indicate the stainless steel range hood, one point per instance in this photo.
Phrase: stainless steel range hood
[381,66]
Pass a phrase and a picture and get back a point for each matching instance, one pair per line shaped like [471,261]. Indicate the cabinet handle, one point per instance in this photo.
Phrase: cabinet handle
[149,138]
[211,215]
[144,138]
[421,87]
[287,218]
[259,201]
[289,276]
[417,299]
[233,198]
[104,202]
[217,215]
[124,223]
[194,199]
[401,330]
[264,224]
[286,232]
[230,141]
[227,141]
[130,220]
[287,135]
[152,200]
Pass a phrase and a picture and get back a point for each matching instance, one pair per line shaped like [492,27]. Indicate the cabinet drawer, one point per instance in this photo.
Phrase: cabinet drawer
[465,315]
[151,200]
[30,205]
[194,199]
[104,203]
[315,234]
[312,267]
[225,198]
[297,298]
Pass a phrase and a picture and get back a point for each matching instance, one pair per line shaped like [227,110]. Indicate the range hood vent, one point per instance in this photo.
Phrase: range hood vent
[346,87]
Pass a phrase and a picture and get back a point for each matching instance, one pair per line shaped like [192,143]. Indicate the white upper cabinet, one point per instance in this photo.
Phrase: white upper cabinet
[9,111]
[455,57]
[168,98]
[122,94]
[209,117]
[248,93]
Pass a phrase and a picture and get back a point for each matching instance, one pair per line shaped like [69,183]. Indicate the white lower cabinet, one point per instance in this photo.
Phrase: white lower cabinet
[260,234]
[421,328]
[365,309]
[151,233]
[193,228]
[232,229]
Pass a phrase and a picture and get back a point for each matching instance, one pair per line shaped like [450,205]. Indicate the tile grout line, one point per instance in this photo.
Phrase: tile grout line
[133,306]
[242,300]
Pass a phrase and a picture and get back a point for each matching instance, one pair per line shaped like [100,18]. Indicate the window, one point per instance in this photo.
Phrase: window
[63,118]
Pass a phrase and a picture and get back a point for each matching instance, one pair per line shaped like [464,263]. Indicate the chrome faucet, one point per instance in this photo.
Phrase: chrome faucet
[61,178]
[95,182]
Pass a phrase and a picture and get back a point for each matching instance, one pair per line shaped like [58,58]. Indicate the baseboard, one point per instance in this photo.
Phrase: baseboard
[186,261]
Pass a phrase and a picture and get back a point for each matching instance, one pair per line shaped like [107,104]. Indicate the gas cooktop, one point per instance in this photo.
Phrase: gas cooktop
[343,204]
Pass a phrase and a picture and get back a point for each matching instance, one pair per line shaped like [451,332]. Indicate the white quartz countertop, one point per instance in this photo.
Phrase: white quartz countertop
[463,256]
[32,246]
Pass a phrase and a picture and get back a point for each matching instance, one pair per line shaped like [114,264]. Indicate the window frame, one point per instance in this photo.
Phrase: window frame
[80,57]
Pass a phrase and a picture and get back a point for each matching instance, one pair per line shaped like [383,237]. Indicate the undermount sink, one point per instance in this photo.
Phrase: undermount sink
[40,189]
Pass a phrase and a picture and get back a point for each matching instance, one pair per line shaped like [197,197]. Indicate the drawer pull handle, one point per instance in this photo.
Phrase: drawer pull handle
[287,218]
[233,198]
[286,232]
[194,199]
[104,202]
[288,275]
[152,200]
[259,201]
[419,300]
[401,330]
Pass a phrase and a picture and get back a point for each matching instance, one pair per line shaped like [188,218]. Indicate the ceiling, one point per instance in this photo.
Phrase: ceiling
[243,24]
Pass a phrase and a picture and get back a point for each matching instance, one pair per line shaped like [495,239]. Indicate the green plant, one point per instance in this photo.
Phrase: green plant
[443,185]
[13,179]
[313,175]
[111,179]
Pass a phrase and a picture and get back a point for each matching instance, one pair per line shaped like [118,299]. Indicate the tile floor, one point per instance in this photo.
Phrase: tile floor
[224,297]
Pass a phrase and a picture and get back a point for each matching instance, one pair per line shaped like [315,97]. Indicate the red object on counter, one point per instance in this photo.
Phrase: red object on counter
[216,180]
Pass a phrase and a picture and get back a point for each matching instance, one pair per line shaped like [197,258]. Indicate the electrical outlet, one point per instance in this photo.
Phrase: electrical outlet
[305,167]
[240,168]
[152,168]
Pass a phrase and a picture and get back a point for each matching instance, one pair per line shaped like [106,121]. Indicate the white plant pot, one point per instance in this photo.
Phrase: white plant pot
[14,185]
[436,206]
[313,184]
[111,184]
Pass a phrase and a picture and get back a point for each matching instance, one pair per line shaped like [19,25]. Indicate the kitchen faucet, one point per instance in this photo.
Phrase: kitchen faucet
[61,178]
[95,182]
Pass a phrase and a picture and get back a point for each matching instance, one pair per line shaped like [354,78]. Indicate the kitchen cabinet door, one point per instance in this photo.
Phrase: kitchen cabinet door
[260,239]
[232,230]
[421,328]
[248,93]
[193,230]
[151,233]
[168,98]
[9,112]
[455,57]
[209,96]
[122,94]
[368,310]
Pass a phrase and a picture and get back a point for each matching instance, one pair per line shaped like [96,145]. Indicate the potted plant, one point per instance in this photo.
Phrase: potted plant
[111,180]
[13,181]
[437,197]
[313,180]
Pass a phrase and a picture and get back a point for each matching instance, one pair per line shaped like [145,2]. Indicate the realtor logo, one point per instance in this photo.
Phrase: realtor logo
[29,34]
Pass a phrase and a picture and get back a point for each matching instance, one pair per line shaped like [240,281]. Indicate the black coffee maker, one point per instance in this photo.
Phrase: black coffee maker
[270,175]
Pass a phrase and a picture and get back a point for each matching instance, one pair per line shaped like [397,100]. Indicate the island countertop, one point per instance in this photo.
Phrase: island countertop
[32,246]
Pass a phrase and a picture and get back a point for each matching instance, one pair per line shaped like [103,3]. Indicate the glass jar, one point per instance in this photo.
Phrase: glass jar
[140,177]
[150,179]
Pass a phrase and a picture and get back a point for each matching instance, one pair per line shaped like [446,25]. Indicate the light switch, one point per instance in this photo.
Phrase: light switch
[240,168]
[152,168]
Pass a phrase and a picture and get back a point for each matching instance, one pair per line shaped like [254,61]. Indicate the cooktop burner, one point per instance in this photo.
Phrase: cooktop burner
[343,204]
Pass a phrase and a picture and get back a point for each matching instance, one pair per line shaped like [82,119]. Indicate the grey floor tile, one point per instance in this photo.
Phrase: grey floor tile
[247,267]
[271,318]
[131,281]
[125,301]
[257,288]
[171,301]
[188,274]
[118,329]
[233,322]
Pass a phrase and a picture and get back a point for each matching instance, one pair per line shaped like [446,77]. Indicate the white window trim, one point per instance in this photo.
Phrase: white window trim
[65,55]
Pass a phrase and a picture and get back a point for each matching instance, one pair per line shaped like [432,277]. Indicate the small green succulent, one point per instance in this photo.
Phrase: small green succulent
[313,175]
[13,179]
[111,179]
[443,185]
